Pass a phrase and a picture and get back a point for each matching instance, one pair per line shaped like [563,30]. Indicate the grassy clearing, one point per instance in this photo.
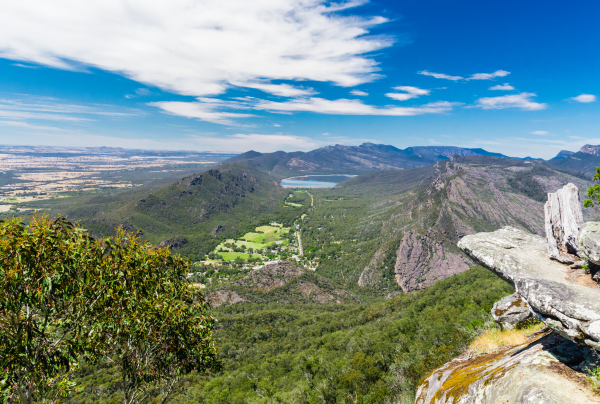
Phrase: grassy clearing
[263,237]
[494,338]
[230,256]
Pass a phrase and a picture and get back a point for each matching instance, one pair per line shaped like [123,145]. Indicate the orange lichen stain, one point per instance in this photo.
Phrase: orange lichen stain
[464,375]
[424,391]
[480,368]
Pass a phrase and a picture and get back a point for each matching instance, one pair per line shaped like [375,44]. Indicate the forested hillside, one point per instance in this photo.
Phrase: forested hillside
[194,214]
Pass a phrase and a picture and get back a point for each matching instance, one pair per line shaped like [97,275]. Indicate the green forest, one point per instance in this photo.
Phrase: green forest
[331,353]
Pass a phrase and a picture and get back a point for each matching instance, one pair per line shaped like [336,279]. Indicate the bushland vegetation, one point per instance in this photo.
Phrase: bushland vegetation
[67,298]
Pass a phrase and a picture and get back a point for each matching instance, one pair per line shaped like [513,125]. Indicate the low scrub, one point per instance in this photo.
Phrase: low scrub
[492,339]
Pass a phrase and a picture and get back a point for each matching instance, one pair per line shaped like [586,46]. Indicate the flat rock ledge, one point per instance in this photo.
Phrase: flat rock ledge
[547,369]
[567,300]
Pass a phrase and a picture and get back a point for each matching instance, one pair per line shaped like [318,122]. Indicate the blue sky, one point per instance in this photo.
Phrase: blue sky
[515,77]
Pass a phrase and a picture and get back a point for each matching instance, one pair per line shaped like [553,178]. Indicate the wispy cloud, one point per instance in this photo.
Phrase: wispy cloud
[540,132]
[165,44]
[502,87]
[18,112]
[488,76]
[585,98]
[20,124]
[214,110]
[359,93]
[25,66]
[352,107]
[440,75]
[204,111]
[522,101]
[409,92]
[282,90]
[476,76]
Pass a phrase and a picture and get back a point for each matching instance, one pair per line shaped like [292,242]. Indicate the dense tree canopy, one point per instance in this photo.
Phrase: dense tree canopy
[67,297]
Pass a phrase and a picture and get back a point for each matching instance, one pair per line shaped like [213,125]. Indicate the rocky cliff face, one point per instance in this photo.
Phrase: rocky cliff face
[589,149]
[548,369]
[463,198]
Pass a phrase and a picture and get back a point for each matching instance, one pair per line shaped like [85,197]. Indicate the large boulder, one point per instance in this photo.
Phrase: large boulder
[563,220]
[589,241]
[566,299]
[511,312]
[547,369]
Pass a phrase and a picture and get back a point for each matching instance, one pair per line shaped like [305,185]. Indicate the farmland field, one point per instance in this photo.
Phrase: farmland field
[230,256]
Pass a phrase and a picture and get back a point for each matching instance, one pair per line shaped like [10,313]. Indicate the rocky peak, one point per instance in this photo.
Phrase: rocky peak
[590,149]
[563,154]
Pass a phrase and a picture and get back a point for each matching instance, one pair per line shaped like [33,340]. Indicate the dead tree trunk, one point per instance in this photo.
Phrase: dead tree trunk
[564,219]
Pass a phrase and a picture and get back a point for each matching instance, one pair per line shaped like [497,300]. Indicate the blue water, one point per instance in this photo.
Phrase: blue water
[315,181]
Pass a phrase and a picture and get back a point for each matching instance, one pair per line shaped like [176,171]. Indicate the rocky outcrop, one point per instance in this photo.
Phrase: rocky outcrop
[174,242]
[511,312]
[225,296]
[589,242]
[590,149]
[566,299]
[563,221]
[271,276]
[420,261]
[547,369]
[284,282]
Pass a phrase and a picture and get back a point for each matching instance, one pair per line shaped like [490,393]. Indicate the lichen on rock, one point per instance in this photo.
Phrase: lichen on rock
[511,312]
[533,372]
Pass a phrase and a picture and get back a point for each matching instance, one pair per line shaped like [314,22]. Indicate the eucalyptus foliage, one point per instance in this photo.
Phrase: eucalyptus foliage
[594,191]
[67,297]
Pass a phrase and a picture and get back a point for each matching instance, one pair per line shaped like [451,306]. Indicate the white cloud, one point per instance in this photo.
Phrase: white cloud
[504,87]
[351,107]
[43,108]
[521,101]
[263,143]
[283,90]
[205,110]
[440,75]
[211,109]
[540,132]
[585,98]
[489,76]
[358,92]
[25,66]
[197,47]
[410,92]
[21,124]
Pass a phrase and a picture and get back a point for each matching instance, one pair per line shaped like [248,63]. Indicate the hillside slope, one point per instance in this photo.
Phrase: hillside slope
[400,228]
[195,213]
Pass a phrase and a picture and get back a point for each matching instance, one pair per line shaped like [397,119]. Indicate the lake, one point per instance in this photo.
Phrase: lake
[315,181]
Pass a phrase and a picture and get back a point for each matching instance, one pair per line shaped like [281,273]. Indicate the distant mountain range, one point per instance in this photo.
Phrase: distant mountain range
[367,157]
[585,160]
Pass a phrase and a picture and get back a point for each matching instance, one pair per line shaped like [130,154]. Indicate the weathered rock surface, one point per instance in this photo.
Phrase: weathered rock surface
[563,220]
[546,370]
[272,276]
[511,311]
[566,299]
[284,282]
[589,241]
[225,296]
